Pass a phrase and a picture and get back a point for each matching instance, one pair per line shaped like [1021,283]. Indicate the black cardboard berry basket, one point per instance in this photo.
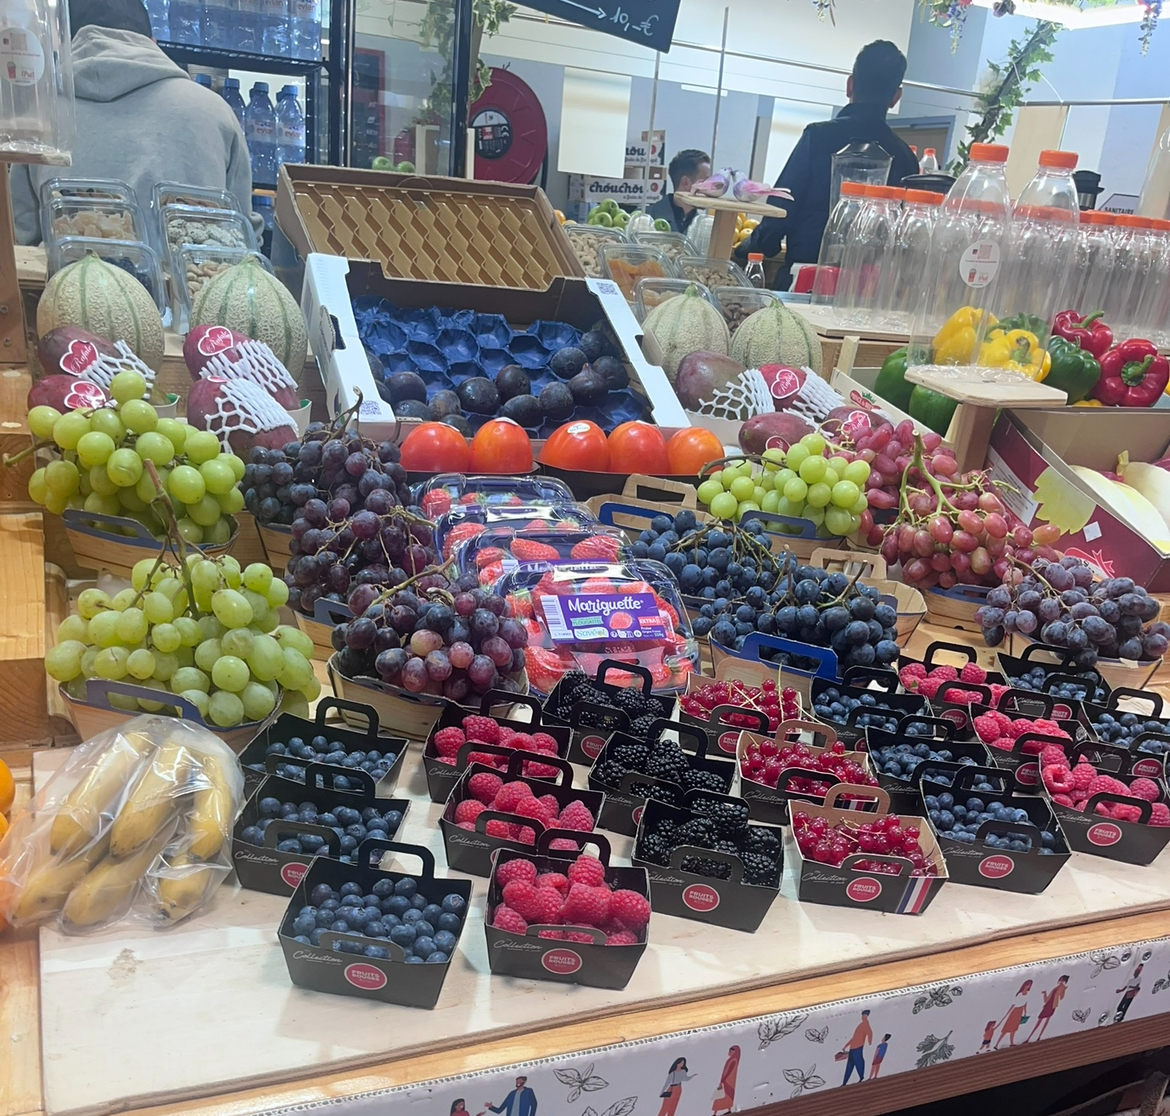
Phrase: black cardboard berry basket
[1091,711]
[799,663]
[856,883]
[1058,665]
[267,868]
[887,701]
[941,653]
[1027,704]
[1088,832]
[983,865]
[770,804]
[531,957]
[286,726]
[1023,759]
[475,851]
[623,806]
[497,704]
[392,981]
[1150,751]
[733,902]
[904,794]
[590,725]
[721,731]
[730,670]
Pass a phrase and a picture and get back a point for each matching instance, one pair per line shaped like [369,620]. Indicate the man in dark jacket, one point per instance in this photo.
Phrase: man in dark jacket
[874,87]
[686,168]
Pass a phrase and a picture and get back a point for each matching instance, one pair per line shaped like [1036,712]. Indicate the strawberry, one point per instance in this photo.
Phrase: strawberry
[520,605]
[458,535]
[602,547]
[435,503]
[507,919]
[629,908]
[529,550]
[545,667]
[488,555]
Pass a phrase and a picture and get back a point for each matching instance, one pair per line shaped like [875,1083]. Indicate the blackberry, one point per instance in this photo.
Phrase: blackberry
[725,846]
[704,866]
[636,703]
[655,849]
[589,718]
[640,726]
[760,839]
[697,831]
[727,817]
[657,791]
[758,869]
[632,757]
[665,829]
[696,778]
[666,763]
[610,774]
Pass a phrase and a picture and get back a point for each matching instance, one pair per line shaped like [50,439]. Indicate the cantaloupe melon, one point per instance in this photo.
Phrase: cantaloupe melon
[777,335]
[687,323]
[253,302]
[104,300]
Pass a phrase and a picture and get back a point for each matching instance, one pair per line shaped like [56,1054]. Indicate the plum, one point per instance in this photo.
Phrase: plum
[776,429]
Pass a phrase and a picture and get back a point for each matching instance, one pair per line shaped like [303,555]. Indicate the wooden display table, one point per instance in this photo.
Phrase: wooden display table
[935,1002]
[726,210]
[873,346]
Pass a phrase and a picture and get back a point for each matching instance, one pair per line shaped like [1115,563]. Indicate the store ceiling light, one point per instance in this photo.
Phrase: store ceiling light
[1073,17]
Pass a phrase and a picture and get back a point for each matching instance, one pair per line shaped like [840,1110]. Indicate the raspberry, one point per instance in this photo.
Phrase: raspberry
[1144,788]
[449,740]
[998,689]
[988,726]
[576,936]
[1057,779]
[468,810]
[530,808]
[485,786]
[526,835]
[551,806]
[544,743]
[506,735]
[483,729]
[944,673]
[507,919]
[621,937]
[521,741]
[556,935]
[629,908]
[1052,755]
[534,904]
[928,687]
[509,795]
[552,879]
[1083,775]
[502,829]
[562,844]
[1106,784]
[577,816]
[1122,811]
[587,870]
[1063,800]
[911,675]
[587,904]
[972,672]
[1159,814]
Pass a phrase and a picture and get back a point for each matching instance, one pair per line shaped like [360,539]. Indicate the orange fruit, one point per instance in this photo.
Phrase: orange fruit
[7,788]
[691,448]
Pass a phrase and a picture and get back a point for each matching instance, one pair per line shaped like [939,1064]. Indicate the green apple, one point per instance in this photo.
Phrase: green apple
[661,225]
[382,163]
[405,167]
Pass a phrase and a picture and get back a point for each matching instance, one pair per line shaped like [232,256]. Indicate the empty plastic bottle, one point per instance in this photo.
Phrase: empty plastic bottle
[219,24]
[185,22]
[1092,261]
[159,12]
[929,163]
[305,29]
[870,241]
[836,232]
[260,132]
[231,94]
[290,128]
[900,285]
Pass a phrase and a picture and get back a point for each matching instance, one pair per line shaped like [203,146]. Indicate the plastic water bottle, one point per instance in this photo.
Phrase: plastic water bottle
[185,24]
[250,25]
[231,94]
[219,23]
[274,28]
[290,128]
[260,132]
[929,164]
[755,269]
[305,29]
[159,13]
[204,80]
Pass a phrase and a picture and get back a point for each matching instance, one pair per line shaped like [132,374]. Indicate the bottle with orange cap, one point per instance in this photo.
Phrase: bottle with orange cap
[1153,300]
[845,213]
[1133,261]
[1092,261]
[900,285]
[870,239]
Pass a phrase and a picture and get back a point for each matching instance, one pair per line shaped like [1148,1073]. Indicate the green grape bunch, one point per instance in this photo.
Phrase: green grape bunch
[201,628]
[102,466]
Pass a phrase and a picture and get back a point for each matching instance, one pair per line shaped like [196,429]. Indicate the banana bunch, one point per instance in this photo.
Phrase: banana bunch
[144,824]
[744,227]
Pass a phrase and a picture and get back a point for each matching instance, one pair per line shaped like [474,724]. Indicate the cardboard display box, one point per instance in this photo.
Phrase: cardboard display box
[1058,668]
[887,701]
[905,796]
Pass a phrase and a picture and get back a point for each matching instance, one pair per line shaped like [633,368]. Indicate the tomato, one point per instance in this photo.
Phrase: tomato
[435,447]
[638,447]
[501,446]
[577,445]
[691,448]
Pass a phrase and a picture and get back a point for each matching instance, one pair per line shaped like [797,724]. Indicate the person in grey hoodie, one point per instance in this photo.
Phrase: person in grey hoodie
[140,118]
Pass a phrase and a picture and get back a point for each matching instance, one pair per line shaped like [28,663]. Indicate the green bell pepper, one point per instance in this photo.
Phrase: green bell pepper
[931,408]
[1074,371]
[1030,322]
[891,382]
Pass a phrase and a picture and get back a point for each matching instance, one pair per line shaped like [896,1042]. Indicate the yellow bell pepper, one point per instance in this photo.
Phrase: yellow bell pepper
[955,342]
[1088,403]
[1017,349]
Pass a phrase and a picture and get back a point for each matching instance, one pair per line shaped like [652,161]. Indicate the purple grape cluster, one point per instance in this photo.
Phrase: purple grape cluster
[452,642]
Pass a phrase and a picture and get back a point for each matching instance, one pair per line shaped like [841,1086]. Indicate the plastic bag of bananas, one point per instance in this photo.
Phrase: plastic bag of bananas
[137,822]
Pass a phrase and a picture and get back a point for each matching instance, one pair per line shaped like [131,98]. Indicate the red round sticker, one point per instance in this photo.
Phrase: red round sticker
[1028,773]
[293,872]
[561,961]
[215,340]
[865,889]
[592,745]
[955,716]
[1150,768]
[700,897]
[1061,713]
[365,976]
[1104,833]
[997,866]
[637,814]
[728,742]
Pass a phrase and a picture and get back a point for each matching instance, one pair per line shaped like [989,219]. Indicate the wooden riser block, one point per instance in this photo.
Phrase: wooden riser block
[24,711]
[15,437]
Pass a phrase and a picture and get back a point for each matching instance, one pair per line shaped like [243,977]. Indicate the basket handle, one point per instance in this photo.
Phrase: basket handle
[872,564]
[343,705]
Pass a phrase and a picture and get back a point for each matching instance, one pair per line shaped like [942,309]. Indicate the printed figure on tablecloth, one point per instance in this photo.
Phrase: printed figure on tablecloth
[724,1098]
[878,1054]
[1015,1016]
[1051,1003]
[1128,993]
[988,1035]
[853,1055]
[521,1101]
[672,1087]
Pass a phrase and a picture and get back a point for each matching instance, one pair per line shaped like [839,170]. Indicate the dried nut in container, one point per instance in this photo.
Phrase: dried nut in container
[652,298]
[200,273]
[711,277]
[737,311]
[95,223]
[184,230]
[588,250]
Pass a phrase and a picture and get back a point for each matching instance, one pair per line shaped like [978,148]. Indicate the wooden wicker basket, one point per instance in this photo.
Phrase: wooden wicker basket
[276,540]
[98,549]
[908,602]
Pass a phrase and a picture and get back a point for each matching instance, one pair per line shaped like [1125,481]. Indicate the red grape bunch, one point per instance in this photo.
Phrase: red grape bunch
[955,530]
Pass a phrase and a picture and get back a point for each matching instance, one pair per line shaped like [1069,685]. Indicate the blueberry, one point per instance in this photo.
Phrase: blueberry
[253,835]
[946,801]
[269,807]
[445,941]
[351,901]
[403,935]
[418,902]
[413,960]
[341,926]
[330,904]
[423,928]
[379,953]
[302,939]
[357,831]
[431,913]
[347,815]
[376,928]
[324,918]
[348,844]
[288,845]
[448,921]
[315,935]
[383,888]
[390,921]
[359,918]
[375,826]
[304,924]
[351,888]
[288,812]
[437,958]
[395,904]
[454,904]
[412,915]
[371,901]
[405,886]
[327,819]
[424,946]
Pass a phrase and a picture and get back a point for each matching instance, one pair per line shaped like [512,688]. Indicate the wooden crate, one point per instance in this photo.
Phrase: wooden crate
[14,438]
[24,711]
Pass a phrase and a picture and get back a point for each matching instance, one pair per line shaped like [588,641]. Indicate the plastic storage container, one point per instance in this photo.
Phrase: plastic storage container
[465,521]
[899,286]
[737,304]
[712,273]
[587,242]
[132,256]
[97,189]
[964,270]
[672,245]
[1093,262]
[501,548]
[841,220]
[625,264]
[100,218]
[444,491]
[870,242]
[649,293]
[194,265]
[205,228]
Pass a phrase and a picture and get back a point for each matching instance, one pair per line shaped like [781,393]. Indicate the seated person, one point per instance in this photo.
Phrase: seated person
[686,168]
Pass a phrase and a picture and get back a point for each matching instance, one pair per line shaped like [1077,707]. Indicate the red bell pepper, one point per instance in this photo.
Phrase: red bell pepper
[1090,334]
[1132,375]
